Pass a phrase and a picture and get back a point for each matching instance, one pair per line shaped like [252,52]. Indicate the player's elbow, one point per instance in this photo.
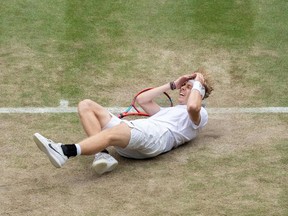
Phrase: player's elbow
[193,108]
[194,113]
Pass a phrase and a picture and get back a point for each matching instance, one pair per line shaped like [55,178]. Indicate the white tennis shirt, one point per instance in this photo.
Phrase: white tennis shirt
[175,120]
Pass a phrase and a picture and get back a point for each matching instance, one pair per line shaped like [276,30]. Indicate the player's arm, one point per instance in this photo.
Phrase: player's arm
[146,99]
[194,102]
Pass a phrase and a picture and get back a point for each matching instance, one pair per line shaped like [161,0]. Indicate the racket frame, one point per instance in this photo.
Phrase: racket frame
[138,112]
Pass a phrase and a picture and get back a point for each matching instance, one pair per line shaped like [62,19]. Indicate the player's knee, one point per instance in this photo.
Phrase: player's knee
[85,106]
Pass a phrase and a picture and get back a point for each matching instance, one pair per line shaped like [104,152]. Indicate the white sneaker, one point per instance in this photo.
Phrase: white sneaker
[51,149]
[104,162]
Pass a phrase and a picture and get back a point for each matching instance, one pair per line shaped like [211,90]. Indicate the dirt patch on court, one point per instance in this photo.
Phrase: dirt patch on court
[181,182]
[228,70]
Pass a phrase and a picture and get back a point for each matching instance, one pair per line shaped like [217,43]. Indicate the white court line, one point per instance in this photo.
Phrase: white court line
[117,110]
[64,108]
[249,110]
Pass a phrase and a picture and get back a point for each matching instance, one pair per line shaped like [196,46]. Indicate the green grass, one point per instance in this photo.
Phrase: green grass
[74,49]
[108,50]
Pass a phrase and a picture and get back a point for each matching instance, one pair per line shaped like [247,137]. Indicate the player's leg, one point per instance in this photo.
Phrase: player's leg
[115,136]
[94,119]
[58,154]
[93,116]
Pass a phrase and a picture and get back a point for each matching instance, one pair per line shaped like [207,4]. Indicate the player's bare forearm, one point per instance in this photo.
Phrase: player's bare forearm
[194,102]
[146,99]
[194,106]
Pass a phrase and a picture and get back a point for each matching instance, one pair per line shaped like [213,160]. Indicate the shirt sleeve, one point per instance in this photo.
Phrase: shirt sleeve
[204,119]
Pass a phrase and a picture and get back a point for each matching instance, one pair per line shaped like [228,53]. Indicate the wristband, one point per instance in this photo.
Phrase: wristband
[172,85]
[198,86]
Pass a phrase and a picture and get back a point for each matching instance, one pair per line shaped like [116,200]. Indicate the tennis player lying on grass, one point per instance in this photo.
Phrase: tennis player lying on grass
[166,129]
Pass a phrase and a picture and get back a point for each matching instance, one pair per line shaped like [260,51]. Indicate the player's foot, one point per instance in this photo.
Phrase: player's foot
[103,163]
[51,149]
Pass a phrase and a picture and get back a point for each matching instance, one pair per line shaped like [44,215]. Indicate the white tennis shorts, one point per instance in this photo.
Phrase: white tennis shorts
[147,140]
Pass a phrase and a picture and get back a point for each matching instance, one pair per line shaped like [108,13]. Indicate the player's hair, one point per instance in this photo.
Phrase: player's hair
[208,82]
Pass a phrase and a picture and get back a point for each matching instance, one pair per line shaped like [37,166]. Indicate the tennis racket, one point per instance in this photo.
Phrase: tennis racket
[164,101]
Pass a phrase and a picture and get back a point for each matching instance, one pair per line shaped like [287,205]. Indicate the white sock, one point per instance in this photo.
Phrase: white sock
[78,147]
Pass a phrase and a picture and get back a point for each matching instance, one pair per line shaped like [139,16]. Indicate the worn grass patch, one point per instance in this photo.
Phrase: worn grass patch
[228,170]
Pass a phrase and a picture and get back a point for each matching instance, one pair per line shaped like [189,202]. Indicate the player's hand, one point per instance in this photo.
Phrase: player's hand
[199,77]
[183,79]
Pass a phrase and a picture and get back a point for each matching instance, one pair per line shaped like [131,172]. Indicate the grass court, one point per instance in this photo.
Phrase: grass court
[109,50]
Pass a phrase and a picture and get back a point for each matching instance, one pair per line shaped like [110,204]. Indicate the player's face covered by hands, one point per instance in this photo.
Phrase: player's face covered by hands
[185,86]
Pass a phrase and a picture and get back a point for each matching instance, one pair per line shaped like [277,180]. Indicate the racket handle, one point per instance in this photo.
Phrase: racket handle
[121,115]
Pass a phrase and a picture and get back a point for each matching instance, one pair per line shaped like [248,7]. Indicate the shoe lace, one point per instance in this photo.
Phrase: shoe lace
[102,156]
